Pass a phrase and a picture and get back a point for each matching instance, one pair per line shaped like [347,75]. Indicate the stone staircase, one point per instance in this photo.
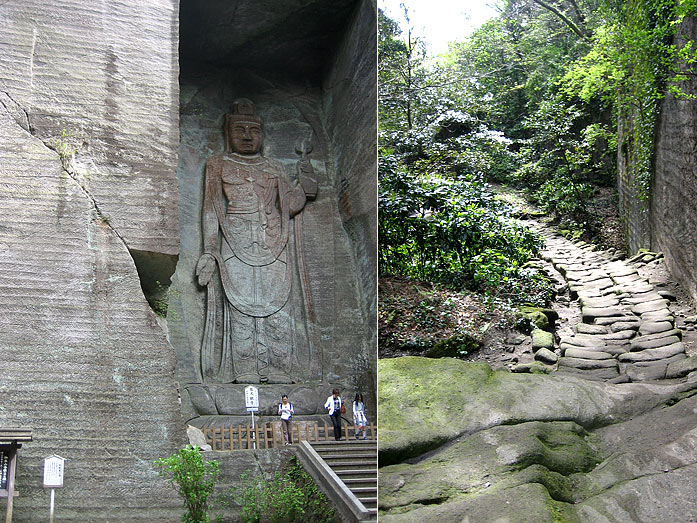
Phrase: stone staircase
[627,330]
[346,471]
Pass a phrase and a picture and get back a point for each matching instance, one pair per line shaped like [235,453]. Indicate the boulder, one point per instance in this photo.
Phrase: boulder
[499,451]
[542,340]
[426,402]
[546,356]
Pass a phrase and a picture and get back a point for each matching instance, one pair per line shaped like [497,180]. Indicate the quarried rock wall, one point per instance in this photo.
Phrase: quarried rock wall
[674,190]
[88,154]
[350,106]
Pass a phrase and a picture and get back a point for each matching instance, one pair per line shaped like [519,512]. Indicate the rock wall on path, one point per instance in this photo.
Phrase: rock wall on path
[667,220]
[674,187]
[89,125]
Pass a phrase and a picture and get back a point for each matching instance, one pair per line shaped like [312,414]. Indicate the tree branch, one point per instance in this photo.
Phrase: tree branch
[563,18]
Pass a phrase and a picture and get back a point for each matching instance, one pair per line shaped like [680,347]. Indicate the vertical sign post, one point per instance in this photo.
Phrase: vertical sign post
[53,478]
[11,439]
[251,399]
[9,468]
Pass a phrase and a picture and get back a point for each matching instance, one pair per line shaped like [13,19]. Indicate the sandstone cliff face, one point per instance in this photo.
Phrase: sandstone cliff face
[89,127]
[351,118]
[674,190]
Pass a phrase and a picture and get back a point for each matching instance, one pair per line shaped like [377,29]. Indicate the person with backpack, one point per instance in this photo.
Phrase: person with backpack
[335,406]
[285,410]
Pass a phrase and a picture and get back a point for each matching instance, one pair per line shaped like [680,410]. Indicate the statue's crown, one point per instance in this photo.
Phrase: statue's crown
[243,111]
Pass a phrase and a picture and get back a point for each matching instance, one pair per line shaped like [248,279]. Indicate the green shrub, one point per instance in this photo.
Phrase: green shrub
[288,497]
[193,478]
[454,347]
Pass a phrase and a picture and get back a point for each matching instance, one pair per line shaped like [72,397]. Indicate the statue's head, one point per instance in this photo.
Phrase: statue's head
[243,128]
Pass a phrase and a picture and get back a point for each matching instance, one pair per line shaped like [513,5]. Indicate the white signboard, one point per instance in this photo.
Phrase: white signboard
[53,472]
[251,398]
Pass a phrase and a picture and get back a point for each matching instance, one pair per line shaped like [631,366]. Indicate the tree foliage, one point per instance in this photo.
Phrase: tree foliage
[533,97]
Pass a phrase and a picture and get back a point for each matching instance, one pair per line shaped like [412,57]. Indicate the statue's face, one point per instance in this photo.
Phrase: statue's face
[245,137]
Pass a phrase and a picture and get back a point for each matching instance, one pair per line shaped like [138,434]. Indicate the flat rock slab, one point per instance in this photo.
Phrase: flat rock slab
[620,335]
[649,306]
[655,371]
[681,368]
[585,340]
[664,315]
[626,273]
[653,327]
[636,299]
[653,354]
[676,358]
[610,349]
[603,301]
[591,374]
[600,284]
[591,313]
[587,354]
[668,295]
[625,325]
[652,343]
[626,280]
[587,328]
[546,356]
[582,363]
[589,293]
[614,319]
[662,334]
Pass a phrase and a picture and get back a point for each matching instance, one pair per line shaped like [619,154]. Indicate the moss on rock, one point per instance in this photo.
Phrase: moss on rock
[542,340]
[454,347]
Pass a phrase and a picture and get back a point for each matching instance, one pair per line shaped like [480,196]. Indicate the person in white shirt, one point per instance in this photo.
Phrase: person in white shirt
[285,409]
[333,405]
[359,415]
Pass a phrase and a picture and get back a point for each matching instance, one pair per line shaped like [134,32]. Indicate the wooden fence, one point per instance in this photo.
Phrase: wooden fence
[268,435]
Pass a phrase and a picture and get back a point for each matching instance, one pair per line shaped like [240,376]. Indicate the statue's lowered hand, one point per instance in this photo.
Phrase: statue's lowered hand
[205,268]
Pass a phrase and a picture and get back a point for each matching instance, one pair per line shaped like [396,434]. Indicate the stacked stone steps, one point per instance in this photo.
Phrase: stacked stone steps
[355,462]
[346,471]
[627,331]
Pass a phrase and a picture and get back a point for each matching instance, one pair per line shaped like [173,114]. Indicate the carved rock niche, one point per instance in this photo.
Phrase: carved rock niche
[270,286]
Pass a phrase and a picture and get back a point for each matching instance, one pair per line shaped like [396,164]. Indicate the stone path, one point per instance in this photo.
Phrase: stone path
[627,331]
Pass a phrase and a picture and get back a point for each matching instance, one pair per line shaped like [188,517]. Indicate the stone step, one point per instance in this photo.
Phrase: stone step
[587,354]
[338,465]
[638,344]
[583,363]
[653,354]
[350,482]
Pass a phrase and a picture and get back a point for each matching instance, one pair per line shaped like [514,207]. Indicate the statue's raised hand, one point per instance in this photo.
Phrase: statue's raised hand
[205,268]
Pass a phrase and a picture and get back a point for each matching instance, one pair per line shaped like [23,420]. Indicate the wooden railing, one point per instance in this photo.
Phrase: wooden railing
[268,435]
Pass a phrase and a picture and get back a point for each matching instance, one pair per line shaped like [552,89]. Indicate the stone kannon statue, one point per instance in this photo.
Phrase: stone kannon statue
[253,265]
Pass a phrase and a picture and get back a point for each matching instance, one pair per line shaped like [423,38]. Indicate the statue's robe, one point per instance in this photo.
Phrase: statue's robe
[247,227]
